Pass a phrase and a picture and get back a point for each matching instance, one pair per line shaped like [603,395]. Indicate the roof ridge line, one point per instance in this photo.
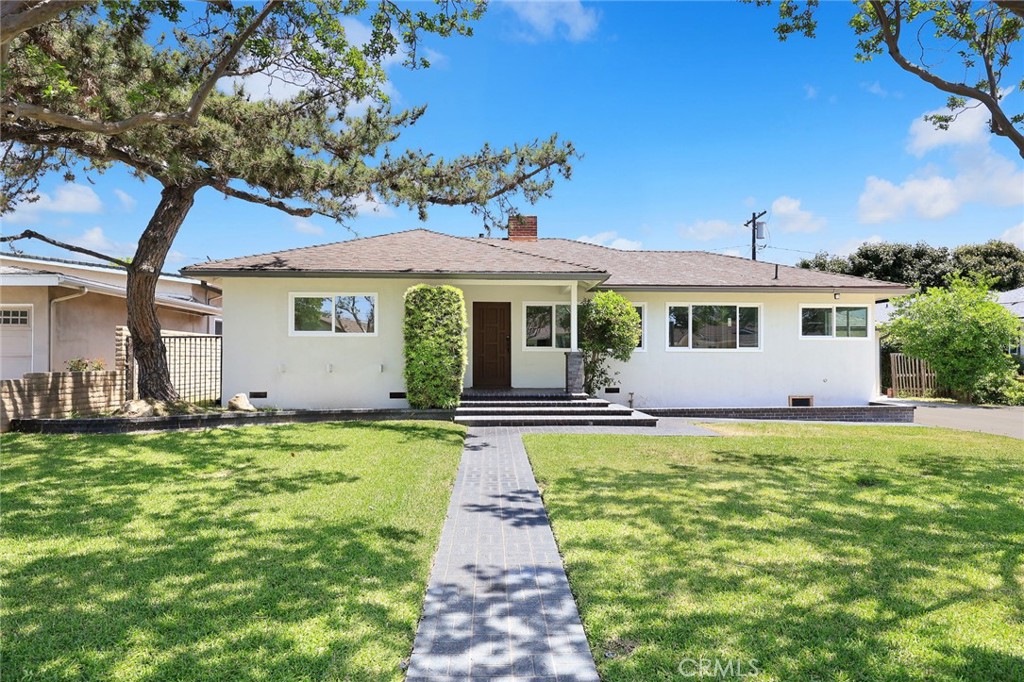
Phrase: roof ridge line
[505,247]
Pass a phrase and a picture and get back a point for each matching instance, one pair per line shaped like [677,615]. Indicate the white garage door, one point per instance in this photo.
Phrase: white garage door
[15,341]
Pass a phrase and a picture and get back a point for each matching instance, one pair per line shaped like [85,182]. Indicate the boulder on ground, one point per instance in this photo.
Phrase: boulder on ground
[240,403]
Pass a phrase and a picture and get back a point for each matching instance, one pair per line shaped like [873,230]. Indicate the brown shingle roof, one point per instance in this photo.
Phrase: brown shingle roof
[427,252]
[689,269]
[413,252]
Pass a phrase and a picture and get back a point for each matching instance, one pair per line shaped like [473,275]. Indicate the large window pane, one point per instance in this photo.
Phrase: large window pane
[313,314]
[354,314]
[714,326]
[563,326]
[816,322]
[852,322]
[538,326]
[679,327]
[749,327]
[640,339]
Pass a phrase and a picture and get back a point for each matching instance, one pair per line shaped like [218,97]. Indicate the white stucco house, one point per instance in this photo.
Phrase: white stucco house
[321,326]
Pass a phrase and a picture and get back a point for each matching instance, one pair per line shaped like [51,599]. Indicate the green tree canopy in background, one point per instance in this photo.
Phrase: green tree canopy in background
[90,85]
[927,266]
[960,330]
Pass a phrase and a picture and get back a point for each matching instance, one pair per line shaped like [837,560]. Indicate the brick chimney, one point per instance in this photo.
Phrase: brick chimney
[522,228]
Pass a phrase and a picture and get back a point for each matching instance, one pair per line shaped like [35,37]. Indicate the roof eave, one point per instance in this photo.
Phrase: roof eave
[846,289]
[220,273]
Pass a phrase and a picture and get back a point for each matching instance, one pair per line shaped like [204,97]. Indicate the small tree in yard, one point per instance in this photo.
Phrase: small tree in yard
[435,346]
[961,331]
[609,327]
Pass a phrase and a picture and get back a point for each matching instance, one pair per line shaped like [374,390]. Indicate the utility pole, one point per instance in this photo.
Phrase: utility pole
[752,224]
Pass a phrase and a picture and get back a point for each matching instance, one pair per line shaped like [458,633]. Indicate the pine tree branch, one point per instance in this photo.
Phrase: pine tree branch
[890,29]
[187,117]
[230,191]
[32,234]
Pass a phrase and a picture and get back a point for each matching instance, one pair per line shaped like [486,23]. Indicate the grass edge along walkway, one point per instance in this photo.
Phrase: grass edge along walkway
[810,551]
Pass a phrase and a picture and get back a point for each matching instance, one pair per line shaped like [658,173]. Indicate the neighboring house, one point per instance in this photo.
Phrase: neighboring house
[322,326]
[1014,302]
[52,310]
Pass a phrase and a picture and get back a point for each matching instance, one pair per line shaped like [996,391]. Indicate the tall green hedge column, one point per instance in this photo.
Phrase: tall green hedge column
[435,345]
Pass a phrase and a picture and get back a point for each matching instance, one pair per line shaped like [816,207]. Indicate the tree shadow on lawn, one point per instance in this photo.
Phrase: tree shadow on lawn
[208,581]
[819,569]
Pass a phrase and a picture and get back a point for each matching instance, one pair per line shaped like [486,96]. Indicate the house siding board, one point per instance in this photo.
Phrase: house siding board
[834,371]
[366,370]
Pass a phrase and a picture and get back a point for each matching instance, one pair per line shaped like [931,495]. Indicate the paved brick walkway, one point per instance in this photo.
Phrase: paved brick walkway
[498,604]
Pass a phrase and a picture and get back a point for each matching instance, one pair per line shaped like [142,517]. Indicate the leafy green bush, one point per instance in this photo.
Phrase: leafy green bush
[1001,387]
[435,346]
[961,331]
[609,327]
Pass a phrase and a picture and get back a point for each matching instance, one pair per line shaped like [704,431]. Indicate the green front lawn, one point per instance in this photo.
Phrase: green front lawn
[264,553]
[801,552]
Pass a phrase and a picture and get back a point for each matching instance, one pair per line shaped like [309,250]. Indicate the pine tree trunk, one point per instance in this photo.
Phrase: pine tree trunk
[143,273]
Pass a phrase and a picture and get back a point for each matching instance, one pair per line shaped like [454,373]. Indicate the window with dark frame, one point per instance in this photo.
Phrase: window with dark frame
[714,327]
[548,326]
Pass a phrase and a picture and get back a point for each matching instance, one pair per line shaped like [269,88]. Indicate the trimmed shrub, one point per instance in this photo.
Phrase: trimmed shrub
[435,346]
[609,327]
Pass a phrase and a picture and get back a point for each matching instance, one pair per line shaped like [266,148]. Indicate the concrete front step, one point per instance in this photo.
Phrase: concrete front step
[515,404]
[609,410]
[634,419]
[525,396]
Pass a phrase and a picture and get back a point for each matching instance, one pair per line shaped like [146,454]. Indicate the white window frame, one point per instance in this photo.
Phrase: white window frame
[832,336]
[689,331]
[554,336]
[31,329]
[332,295]
[642,348]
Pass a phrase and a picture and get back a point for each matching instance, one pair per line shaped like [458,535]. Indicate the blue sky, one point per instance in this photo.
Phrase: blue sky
[690,115]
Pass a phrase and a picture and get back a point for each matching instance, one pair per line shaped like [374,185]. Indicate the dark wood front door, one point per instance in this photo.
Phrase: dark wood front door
[492,345]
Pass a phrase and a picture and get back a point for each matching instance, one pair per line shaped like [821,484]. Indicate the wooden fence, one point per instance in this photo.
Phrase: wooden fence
[911,377]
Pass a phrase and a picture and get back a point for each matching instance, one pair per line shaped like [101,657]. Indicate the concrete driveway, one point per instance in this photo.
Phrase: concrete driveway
[1001,421]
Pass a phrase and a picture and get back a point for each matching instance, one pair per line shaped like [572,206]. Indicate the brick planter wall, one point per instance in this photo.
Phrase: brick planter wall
[855,413]
[54,395]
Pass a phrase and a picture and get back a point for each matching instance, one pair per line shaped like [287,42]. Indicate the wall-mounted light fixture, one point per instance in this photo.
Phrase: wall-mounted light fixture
[836,295]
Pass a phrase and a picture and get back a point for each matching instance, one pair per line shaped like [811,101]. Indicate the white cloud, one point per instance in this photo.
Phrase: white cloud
[789,217]
[281,84]
[371,208]
[810,92]
[969,128]
[848,247]
[1014,235]
[982,177]
[176,257]
[706,230]
[610,239]
[128,202]
[560,18]
[732,252]
[70,198]
[305,226]
[94,238]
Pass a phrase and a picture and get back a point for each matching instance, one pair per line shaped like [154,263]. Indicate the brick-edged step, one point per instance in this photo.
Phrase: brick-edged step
[634,419]
[519,397]
[532,410]
[588,403]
